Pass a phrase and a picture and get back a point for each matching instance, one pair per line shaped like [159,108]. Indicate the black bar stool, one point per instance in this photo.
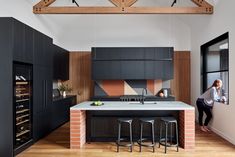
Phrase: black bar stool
[142,140]
[165,141]
[120,141]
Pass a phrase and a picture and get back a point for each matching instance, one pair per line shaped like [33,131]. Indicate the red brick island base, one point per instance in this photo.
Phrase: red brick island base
[186,129]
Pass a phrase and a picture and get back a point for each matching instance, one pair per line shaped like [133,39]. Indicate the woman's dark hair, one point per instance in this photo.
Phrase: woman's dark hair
[215,84]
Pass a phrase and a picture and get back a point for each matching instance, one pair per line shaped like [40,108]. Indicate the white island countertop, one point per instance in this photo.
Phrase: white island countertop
[120,105]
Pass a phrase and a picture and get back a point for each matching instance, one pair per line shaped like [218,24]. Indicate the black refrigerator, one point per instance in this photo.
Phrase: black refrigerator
[22,106]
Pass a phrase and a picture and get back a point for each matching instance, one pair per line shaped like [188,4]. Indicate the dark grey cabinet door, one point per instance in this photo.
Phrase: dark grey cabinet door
[167,70]
[106,70]
[18,40]
[60,63]
[42,100]
[132,53]
[150,70]
[23,42]
[39,85]
[28,44]
[47,51]
[106,53]
[38,54]
[149,53]
[164,53]
[43,50]
[6,90]
[132,70]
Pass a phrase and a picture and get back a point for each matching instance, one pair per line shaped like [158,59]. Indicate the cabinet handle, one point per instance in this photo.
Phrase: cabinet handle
[44,82]
[46,92]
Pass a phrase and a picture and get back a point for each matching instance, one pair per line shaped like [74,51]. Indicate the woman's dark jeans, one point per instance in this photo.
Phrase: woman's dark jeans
[202,107]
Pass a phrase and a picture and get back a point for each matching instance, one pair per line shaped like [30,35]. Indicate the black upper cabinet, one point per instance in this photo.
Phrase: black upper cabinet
[106,53]
[23,42]
[106,70]
[132,63]
[6,90]
[132,70]
[163,53]
[43,49]
[61,63]
[132,53]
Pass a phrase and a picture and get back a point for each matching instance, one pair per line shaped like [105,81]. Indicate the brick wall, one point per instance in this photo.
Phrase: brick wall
[187,129]
[77,129]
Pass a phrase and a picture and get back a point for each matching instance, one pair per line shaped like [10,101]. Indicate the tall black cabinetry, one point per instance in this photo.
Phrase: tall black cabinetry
[6,90]
[22,44]
[42,84]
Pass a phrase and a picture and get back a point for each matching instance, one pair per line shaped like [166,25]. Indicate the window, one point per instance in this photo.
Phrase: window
[215,61]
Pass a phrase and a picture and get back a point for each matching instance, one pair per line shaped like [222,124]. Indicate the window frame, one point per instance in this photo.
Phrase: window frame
[204,50]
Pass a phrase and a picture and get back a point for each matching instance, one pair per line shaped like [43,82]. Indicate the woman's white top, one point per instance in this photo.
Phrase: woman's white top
[210,96]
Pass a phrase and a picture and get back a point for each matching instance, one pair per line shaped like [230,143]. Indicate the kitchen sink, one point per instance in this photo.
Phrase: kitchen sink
[146,102]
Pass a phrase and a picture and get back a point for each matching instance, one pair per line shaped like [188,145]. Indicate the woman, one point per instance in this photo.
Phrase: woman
[206,101]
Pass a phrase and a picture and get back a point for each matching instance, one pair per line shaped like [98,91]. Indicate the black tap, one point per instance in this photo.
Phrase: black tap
[143,97]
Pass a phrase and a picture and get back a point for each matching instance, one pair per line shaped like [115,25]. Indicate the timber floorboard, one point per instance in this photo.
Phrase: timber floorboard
[56,144]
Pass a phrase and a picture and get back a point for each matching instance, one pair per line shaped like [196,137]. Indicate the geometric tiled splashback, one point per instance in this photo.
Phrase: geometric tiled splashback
[128,87]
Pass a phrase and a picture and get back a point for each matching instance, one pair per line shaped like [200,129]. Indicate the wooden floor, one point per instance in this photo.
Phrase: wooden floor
[57,145]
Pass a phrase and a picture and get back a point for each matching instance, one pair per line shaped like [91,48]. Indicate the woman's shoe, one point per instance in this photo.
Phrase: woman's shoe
[203,129]
[207,129]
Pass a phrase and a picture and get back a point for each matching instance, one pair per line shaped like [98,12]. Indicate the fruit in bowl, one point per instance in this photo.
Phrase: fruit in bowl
[97,103]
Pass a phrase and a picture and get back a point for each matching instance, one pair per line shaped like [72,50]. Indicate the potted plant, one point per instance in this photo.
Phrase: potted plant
[63,88]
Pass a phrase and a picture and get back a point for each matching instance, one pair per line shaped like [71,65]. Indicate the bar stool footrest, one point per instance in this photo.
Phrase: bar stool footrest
[142,142]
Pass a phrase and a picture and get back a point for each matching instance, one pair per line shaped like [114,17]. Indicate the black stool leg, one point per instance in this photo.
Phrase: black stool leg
[160,136]
[130,136]
[171,132]
[141,134]
[177,136]
[153,139]
[166,125]
[119,136]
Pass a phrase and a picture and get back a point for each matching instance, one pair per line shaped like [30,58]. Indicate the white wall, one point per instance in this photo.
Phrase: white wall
[125,30]
[204,29]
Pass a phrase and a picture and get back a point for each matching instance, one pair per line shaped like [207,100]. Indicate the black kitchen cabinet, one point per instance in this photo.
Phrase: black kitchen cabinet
[18,48]
[167,70]
[106,53]
[61,63]
[43,50]
[132,70]
[106,69]
[132,53]
[6,90]
[132,63]
[60,110]
[23,42]
[164,53]
[42,100]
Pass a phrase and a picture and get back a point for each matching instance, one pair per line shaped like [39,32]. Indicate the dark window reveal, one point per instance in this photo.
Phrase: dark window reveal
[215,63]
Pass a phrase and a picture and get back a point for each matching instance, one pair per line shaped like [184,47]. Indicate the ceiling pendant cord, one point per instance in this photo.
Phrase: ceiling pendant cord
[175,1]
[74,1]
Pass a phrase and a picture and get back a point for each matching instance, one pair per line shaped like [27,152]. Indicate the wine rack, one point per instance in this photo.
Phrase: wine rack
[22,106]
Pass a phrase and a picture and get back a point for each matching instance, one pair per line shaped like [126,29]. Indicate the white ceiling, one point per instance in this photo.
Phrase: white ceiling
[81,28]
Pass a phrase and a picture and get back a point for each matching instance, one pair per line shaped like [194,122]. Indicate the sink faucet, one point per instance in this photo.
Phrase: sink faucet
[143,96]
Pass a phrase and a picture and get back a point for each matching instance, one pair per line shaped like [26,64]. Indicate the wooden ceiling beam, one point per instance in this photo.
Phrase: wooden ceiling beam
[119,10]
[201,3]
[117,3]
[129,3]
[44,3]
[122,7]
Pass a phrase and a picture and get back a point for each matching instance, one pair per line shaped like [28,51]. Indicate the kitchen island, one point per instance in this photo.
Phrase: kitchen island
[81,114]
